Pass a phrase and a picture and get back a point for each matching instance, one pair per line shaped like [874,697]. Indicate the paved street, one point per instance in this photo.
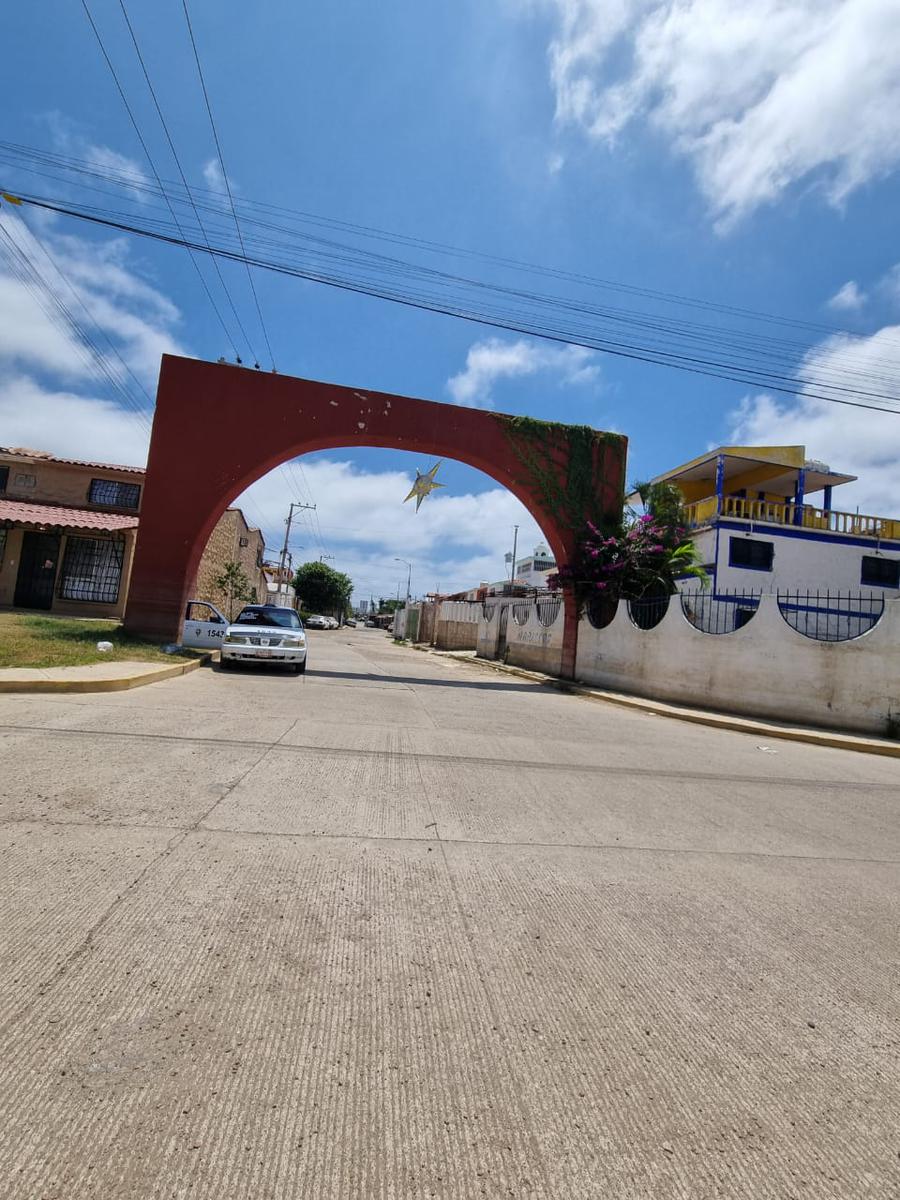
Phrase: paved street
[406,927]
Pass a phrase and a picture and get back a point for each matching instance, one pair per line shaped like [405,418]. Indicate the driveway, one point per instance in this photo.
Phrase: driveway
[404,928]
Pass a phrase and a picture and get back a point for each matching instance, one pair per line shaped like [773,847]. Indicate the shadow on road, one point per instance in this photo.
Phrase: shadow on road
[416,679]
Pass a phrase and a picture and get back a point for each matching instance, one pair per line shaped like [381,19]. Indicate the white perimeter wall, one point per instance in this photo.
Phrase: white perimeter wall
[765,669]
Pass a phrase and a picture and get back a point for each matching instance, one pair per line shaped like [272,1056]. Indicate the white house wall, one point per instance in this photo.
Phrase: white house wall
[799,562]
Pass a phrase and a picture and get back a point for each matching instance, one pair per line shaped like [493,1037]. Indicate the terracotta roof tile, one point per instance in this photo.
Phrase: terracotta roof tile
[25,452]
[51,516]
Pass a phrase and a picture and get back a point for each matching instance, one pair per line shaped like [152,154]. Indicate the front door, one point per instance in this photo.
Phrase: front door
[37,570]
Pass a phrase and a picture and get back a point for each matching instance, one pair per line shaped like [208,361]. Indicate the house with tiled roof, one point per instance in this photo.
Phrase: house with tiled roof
[68,529]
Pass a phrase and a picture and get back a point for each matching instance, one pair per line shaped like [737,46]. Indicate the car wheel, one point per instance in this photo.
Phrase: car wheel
[225,664]
[300,668]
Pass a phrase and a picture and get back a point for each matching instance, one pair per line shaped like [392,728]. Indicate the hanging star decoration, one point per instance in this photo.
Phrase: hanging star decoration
[424,485]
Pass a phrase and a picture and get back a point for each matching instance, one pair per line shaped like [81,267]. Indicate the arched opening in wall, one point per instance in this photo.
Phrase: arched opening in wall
[563,475]
[348,510]
[647,611]
[720,611]
[548,609]
[601,610]
[827,616]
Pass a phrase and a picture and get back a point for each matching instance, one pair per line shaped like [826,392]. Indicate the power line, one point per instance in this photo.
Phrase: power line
[30,276]
[743,347]
[516,320]
[237,224]
[162,120]
[149,157]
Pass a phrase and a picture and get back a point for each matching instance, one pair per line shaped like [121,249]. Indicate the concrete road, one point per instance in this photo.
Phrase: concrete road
[408,928]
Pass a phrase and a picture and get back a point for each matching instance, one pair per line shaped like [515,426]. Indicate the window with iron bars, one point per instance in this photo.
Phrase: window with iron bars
[112,493]
[4,478]
[92,570]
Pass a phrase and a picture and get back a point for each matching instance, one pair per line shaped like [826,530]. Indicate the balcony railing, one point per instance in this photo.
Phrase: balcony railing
[807,516]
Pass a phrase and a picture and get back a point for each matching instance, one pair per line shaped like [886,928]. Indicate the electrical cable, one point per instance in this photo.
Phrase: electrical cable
[515,321]
[149,157]
[744,345]
[162,119]
[237,223]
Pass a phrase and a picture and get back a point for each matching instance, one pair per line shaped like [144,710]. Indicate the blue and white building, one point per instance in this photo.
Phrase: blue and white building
[764,520]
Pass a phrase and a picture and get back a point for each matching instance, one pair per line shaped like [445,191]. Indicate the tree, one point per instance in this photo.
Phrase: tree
[390,606]
[235,587]
[642,557]
[322,589]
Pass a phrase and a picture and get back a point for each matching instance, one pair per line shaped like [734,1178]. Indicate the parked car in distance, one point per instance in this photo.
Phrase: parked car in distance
[351,621]
[332,623]
[316,621]
[264,633]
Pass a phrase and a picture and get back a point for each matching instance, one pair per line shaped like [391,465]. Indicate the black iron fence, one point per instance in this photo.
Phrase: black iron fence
[601,610]
[647,612]
[720,611]
[830,616]
[548,609]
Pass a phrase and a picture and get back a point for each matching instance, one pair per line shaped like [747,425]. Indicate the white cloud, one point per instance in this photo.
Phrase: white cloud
[212,173]
[889,284]
[849,298]
[493,359]
[857,441]
[34,334]
[69,424]
[456,541]
[109,160]
[758,96]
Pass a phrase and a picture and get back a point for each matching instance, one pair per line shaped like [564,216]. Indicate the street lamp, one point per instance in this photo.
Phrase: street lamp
[408,576]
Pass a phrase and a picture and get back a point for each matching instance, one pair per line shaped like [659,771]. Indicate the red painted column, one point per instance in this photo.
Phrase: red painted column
[570,634]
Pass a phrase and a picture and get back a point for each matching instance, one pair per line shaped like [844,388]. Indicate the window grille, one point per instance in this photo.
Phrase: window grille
[114,494]
[2,545]
[4,478]
[91,570]
[26,481]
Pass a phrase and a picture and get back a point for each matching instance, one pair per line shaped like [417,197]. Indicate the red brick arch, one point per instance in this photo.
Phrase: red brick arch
[217,428]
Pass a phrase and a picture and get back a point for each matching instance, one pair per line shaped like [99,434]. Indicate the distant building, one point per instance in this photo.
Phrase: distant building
[751,513]
[280,588]
[533,571]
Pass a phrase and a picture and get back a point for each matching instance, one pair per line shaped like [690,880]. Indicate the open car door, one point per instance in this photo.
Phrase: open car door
[204,625]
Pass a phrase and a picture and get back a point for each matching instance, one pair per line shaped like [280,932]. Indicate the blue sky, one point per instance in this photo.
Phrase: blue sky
[745,157]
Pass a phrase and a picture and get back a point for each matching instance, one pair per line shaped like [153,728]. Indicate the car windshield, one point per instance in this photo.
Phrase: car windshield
[285,618]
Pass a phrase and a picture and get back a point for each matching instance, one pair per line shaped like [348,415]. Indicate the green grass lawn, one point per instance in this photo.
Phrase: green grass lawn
[31,641]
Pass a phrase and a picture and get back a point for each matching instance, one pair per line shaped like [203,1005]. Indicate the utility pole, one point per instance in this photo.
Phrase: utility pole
[408,578]
[287,534]
[512,573]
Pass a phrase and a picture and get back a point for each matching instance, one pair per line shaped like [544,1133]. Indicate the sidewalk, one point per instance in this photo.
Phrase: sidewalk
[698,716]
[97,677]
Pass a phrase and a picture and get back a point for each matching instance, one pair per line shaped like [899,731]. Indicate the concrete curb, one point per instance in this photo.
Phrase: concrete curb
[121,683]
[656,708]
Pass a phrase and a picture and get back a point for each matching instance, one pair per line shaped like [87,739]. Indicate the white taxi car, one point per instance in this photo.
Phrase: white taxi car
[265,633]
